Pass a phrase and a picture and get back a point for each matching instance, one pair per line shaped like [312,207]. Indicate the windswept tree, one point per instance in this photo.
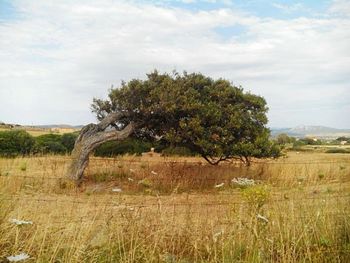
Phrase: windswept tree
[211,117]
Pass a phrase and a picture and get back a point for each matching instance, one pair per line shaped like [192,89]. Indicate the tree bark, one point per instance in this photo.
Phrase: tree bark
[90,137]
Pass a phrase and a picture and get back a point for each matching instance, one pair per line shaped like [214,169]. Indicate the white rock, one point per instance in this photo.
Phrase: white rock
[20,222]
[219,185]
[22,256]
[263,218]
[243,181]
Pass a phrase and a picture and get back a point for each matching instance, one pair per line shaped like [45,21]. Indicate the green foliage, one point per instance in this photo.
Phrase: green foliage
[49,143]
[130,145]
[262,147]
[321,176]
[307,141]
[68,140]
[256,196]
[17,142]
[145,183]
[180,151]
[343,138]
[210,117]
[23,167]
[55,143]
[337,150]
[170,149]
[298,144]
[283,139]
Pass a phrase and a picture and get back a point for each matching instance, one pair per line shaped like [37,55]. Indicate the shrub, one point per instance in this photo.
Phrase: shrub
[17,142]
[23,167]
[68,140]
[321,176]
[256,196]
[49,143]
[337,150]
[181,151]
[130,145]
[298,148]
[283,139]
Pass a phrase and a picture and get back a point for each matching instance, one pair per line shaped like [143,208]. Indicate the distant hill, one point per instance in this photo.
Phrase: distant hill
[61,126]
[37,130]
[49,126]
[298,131]
[311,131]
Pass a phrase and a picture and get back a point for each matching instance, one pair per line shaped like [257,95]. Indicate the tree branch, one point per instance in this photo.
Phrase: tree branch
[109,119]
[104,136]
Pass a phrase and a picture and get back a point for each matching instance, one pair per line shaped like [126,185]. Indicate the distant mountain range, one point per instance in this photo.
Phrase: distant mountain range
[298,131]
[62,126]
[311,131]
[40,127]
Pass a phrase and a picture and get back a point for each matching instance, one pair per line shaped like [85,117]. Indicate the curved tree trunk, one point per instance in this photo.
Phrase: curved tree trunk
[90,137]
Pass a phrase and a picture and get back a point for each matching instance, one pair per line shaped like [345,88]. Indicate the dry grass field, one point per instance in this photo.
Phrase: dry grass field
[41,131]
[154,209]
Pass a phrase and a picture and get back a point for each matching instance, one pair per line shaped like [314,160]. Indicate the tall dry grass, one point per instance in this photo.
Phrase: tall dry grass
[169,210]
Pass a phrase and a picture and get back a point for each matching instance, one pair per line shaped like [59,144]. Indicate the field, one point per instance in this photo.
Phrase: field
[154,209]
[40,131]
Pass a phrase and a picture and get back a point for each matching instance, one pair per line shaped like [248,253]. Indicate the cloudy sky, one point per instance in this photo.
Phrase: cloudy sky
[55,56]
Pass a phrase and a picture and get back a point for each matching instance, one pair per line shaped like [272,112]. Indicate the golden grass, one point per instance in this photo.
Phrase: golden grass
[170,211]
[41,131]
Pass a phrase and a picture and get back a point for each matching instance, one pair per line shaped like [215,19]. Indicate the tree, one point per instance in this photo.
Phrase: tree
[210,117]
[262,147]
[343,138]
[283,138]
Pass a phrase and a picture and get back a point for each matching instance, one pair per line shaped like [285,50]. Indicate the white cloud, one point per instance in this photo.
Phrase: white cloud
[60,55]
[340,7]
[289,7]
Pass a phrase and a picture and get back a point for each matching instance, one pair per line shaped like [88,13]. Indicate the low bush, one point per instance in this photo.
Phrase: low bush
[49,143]
[180,151]
[130,146]
[337,150]
[20,142]
[14,143]
[68,140]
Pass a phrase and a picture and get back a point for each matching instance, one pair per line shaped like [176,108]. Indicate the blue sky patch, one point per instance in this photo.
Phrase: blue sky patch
[7,11]
[286,9]
[229,32]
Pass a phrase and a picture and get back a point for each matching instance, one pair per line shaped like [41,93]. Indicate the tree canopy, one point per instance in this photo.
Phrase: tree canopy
[211,117]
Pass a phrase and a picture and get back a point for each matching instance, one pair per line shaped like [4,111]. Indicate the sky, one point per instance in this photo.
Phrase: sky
[56,56]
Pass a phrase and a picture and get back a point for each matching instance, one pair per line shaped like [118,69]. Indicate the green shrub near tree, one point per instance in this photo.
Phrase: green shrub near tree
[337,150]
[14,143]
[130,146]
[177,150]
[20,142]
[55,143]
[68,140]
[343,138]
[49,143]
[283,139]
